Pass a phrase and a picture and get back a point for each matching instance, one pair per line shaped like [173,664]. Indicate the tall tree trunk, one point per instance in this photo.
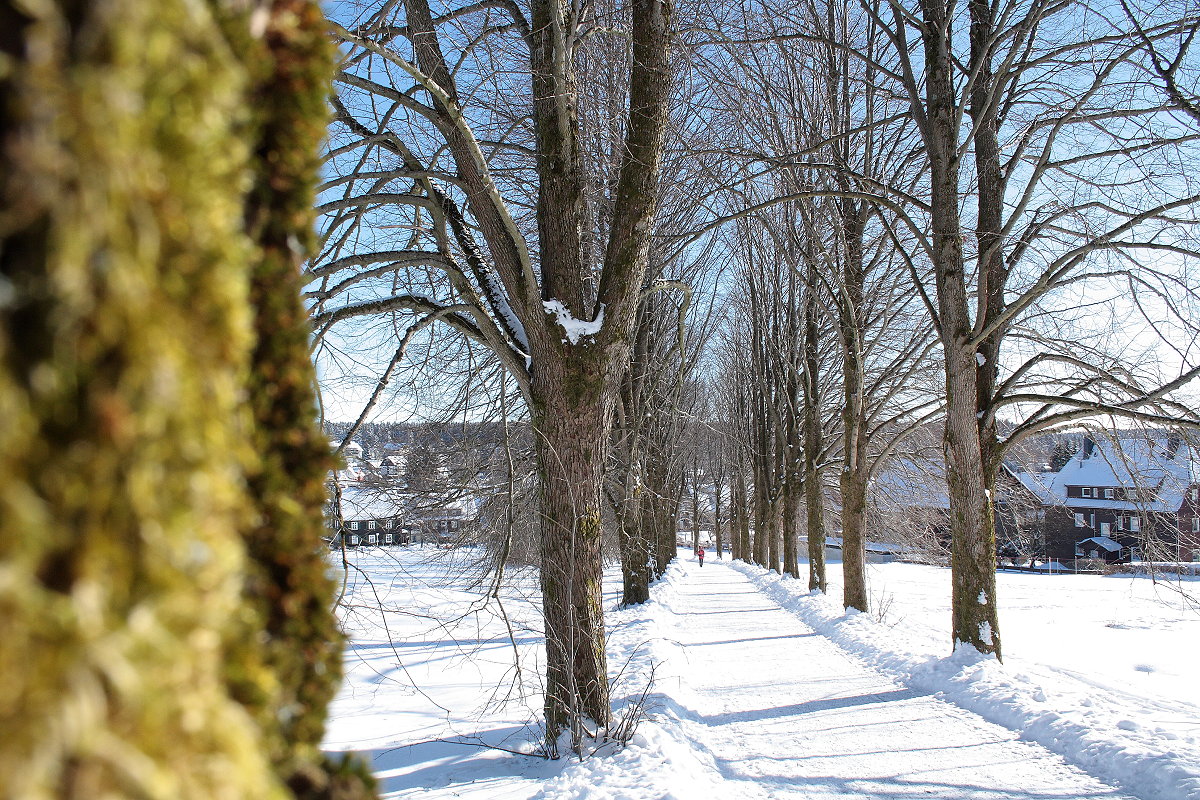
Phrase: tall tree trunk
[814,498]
[741,515]
[573,382]
[637,553]
[570,433]
[159,408]
[718,531]
[855,469]
[973,556]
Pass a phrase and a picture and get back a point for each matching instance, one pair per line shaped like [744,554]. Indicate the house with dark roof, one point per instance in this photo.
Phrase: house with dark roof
[1127,497]
[369,518]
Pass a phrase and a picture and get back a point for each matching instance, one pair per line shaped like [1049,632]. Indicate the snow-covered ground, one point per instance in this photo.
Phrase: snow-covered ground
[1096,671]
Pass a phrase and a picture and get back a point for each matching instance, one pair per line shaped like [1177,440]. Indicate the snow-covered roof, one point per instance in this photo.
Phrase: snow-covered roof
[359,503]
[1103,541]
[1161,466]
[352,449]
[907,482]
[1039,484]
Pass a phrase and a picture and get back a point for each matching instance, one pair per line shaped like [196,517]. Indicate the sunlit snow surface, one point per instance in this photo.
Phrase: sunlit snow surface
[761,690]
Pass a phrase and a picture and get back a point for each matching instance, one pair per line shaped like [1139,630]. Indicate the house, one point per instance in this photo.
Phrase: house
[391,466]
[910,500]
[1127,496]
[1020,506]
[445,522]
[370,518]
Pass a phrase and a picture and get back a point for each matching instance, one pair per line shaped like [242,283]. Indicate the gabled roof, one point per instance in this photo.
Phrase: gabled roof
[360,503]
[907,482]
[1161,466]
[1103,541]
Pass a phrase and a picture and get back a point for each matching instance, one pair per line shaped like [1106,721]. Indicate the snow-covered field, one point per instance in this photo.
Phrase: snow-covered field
[1097,671]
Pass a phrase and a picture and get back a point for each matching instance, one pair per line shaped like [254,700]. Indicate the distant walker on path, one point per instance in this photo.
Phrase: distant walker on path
[700,553]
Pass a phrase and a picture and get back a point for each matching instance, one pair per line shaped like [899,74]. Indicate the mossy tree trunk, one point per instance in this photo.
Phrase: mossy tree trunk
[165,613]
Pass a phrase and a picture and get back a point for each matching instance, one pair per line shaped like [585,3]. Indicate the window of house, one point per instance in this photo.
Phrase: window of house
[1105,528]
[387,538]
[1092,520]
[353,526]
[353,540]
[1079,522]
[373,538]
[1195,495]
[1085,491]
[1108,494]
[387,524]
[453,524]
[371,525]
[1195,524]
[1131,494]
[1135,524]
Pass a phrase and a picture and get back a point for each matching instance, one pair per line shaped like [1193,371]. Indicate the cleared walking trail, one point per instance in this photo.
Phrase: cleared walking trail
[785,713]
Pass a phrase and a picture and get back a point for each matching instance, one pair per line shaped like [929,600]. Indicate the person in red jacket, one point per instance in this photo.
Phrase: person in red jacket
[700,553]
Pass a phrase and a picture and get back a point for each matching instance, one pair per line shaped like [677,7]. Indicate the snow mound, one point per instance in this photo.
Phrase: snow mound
[1091,732]
[665,759]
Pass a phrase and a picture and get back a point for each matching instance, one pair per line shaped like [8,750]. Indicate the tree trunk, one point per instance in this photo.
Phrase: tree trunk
[814,498]
[718,535]
[570,433]
[159,408]
[695,507]
[637,555]
[855,469]
[854,559]
[973,556]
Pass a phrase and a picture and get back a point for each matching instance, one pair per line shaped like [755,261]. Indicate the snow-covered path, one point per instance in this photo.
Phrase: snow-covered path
[784,713]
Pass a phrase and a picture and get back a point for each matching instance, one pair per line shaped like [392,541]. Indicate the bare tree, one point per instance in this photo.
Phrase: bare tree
[493,192]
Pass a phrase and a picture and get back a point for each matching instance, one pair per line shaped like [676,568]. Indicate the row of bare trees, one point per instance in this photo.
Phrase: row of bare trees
[871,217]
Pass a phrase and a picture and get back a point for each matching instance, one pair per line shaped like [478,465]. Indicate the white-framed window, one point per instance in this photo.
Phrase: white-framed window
[373,538]
[1195,524]
[1079,521]
[1105,528]
[1195,495]
[1135,524]
[1108,494]
[387,538]
[353,540]
[371,525]
[1131,494]
[353,526]
[1086,491]
[387,525]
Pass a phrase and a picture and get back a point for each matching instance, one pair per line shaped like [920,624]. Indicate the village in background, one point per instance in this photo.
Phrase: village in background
[1119,500]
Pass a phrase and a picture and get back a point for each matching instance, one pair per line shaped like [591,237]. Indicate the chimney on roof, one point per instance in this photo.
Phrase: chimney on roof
[1088,446]
[1174,442]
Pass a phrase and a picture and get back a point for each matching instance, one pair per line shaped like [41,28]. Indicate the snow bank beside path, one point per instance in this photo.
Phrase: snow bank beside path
[1096,734]
[665,759]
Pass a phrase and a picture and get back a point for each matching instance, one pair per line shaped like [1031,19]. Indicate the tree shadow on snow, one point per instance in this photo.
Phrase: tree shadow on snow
[811,706]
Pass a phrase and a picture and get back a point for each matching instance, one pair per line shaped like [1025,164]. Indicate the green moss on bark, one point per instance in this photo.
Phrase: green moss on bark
[145,624]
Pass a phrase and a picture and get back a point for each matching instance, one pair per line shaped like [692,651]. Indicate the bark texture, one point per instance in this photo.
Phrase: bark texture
[973,547]
[157,169]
